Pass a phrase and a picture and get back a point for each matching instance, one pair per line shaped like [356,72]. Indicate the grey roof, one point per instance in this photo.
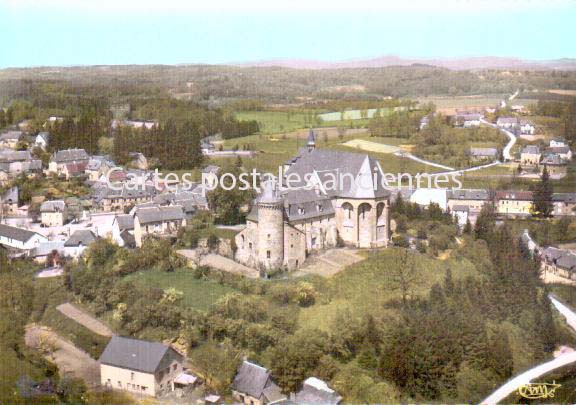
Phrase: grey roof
[567,262]
[468,194]
[269,194]
[19,234]
[551,254]
[211,169]
[469,116]
[559,149]
[44,249]
[490,152]
[44,135]
[125,222]
[553,159]
[10,135]
[53,206]
[82,237]
[531,149]
[102,193]
[252,379]
[564,197]
[306,204]
[330,165]
[134,354]
[316,391]
[128,238]
[159,214]
[70,155]
[11,195]
[8,155]
[463,208]
[507,120]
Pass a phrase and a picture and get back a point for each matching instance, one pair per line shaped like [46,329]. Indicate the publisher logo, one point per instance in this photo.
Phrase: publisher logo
[538,390]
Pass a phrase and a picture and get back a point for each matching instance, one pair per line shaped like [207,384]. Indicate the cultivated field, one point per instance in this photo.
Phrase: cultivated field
[369,146]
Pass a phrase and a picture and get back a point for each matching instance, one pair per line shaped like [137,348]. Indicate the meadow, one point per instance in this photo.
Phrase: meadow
[196,293]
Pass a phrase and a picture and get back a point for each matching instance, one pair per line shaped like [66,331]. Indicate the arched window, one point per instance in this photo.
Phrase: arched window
[364,210]
[348,209]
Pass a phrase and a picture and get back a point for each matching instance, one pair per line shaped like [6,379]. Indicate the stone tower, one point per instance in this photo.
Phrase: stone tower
[311,144]
[270,228]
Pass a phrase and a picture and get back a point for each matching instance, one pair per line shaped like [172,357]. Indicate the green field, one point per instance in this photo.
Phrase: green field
[197,293]
[354,114]
[278,122]
[365,286]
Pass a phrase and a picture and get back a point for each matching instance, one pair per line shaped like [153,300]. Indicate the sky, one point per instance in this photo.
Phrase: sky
[91,32]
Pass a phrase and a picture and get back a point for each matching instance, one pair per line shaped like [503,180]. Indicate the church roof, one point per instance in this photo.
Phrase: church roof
[334,171]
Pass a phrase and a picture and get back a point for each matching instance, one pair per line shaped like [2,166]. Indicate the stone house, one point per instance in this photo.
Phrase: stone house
[564,204]
[509,123]
[563,151]
[68,162]
[253,385]
[514,203]
[156,220]
[483,154]
[9,202]
[123,230]
[556,166]
[140,367]
[10,139]
[473,199]
[53,213]
[530,155]
[108,199]
[559,262]
[98,166]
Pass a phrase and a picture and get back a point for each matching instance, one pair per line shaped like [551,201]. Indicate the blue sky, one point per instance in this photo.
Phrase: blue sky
[86,32]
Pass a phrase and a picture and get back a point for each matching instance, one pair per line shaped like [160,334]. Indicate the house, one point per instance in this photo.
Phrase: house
[530,155]
[68,162]
[564,204]
[14,163]
[78,242]
[563,151]
[527,127]
[514,203]
[123,230]
[253,385]
[53,213]
[53,250]
[9,202]
[483,154]
[560,262]
[108,199]
[137,124]
[10,139]
[474,199]
[157,220]
[469,120]
[138,161]
[558,143]
[556,166]
[42,140]
[460,214]
[315,391]
[509,123]
[18,238]
[211,169]
[139,366]
[98,166]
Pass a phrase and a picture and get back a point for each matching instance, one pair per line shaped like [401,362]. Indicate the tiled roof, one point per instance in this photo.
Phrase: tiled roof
[251,379]
[52,206]
[514,195]
[468,194]
[82,237]
[134,354]
[19,234]
[159,214]
[531,149]
[70,155]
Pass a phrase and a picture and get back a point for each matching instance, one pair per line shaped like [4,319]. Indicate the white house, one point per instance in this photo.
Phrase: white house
[53,213]
[123,230]
[18,238]
[42,140]
[140,367]
[78,242]
[527,128]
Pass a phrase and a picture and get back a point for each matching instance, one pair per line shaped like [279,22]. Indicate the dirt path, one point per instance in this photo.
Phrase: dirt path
[84,319]
[218,262]
[71,361]
[330,262]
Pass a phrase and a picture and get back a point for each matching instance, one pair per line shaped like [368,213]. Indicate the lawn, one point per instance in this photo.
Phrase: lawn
[354,114]
[274,122]
[197,293]
[366,287]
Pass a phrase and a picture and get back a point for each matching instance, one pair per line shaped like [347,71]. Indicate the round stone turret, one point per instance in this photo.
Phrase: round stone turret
[270,228]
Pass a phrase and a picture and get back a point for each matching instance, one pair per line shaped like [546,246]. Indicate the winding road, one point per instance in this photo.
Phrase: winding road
[562,360]
[506,152]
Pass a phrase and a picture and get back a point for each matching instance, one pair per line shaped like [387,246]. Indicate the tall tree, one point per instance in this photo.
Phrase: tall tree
[542,203]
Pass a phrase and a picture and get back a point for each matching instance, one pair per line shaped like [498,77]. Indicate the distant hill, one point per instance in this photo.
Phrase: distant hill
[469,63]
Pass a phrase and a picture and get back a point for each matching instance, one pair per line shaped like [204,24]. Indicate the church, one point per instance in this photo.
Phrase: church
[287,224]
